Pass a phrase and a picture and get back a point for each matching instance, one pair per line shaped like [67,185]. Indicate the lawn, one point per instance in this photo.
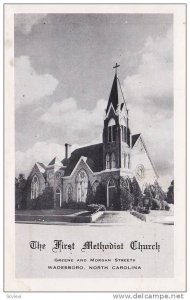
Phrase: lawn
[48,212]
[49,215]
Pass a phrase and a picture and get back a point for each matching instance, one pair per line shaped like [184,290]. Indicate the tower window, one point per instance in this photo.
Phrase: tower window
[108,161]
[111,130]
[126,160]
[123,133]
[113,164]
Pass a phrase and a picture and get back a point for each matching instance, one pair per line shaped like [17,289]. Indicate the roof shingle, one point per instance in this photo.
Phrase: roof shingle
[94,154]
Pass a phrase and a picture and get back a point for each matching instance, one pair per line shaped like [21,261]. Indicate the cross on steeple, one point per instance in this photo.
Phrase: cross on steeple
[115,67]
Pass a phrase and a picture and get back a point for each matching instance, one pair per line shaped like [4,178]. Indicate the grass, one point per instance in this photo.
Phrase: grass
[48,212]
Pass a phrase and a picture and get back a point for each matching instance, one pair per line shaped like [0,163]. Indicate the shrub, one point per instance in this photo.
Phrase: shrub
[126,199]
[155,204]
[20,192]
[100,196]
[90,196]
[75,205]
[170,193]
[96,207]
[143,210]
[137,194]
[165,206]
[45,200]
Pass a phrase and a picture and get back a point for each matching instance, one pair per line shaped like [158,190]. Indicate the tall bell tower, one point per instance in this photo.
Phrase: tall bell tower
[116,132]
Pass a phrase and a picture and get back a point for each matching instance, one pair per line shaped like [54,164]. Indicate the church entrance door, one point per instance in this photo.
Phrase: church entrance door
[111,194]
[58,198]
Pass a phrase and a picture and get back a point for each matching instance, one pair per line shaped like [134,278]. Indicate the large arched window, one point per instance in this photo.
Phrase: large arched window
[58,197]
[108,166]
[69,193]
[82,185]
[126,160]
[111,130]
[113,163]
[34,187]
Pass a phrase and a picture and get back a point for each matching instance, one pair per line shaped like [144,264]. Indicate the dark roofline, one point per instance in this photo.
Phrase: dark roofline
[135,137]
[85,147]
[94,155]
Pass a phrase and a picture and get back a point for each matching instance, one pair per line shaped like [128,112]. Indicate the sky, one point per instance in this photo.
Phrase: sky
[63,77]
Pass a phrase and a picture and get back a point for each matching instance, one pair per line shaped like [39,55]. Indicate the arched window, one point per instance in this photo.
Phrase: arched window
[111,183]
[69,193]
[94,186]
[124,133]
[58,196]
[34,187]
[111,130]
[126,160]
[82,185]
[108,161]
[113,163]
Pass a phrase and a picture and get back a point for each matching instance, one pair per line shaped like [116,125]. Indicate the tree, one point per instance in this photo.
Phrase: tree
[46,199]
[20,192]
[90,196]
[126,197]
[100,196]
[136,193]
[170,193]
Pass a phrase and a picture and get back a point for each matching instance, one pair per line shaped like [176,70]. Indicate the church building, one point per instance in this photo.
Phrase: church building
[121,154]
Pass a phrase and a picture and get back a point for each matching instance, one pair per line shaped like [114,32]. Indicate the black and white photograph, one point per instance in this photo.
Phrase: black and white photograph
[94,146]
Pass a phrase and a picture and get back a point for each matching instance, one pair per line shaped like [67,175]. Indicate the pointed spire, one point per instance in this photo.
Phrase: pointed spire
[116,97]
[113,98]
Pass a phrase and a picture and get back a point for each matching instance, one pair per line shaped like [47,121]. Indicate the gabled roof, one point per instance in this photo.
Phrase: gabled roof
[94,154]
[38,166]
[135,138]
[41,167]
[55,161]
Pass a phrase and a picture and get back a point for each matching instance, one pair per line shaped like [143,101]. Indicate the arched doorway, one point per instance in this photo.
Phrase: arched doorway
[82,186]
[111,193]
[58,197]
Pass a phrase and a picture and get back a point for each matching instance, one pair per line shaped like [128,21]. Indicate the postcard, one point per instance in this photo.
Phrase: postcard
[95,147]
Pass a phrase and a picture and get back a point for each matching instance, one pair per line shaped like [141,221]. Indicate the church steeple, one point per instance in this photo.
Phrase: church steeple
[116,132]
[113,98]
[116,98]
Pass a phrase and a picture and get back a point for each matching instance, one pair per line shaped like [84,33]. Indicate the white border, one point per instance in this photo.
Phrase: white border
[145,284]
